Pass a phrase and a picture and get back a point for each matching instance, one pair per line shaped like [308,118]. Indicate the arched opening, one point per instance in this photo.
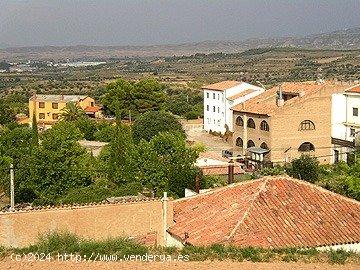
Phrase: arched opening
[239,121]
[239,142]
[250,143]
[250,123]
[307,125]
[264,126]
[306,147]
[264,146]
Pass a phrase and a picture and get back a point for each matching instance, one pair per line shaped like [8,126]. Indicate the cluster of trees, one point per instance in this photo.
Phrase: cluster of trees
[342,178]
[52,167]
[150,95]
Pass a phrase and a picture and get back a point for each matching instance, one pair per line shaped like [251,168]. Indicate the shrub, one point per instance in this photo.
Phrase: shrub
[305,168]
[338,256]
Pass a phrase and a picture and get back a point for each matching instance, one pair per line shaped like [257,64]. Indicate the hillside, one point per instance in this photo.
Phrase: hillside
[337,40]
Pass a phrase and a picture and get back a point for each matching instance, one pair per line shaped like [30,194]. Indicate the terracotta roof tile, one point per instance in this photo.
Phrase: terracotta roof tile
[355,89]
[265,103]
[92,109]
[221,86]
[241,94]
[220,170]
[271,212]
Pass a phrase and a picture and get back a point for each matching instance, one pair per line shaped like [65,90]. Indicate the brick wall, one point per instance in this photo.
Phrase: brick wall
[139,219]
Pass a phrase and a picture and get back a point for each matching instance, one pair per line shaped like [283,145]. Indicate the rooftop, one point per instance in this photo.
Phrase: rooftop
[222,86]
[265,103]
[354,89]
[57,98]
[241,94]
[270,212]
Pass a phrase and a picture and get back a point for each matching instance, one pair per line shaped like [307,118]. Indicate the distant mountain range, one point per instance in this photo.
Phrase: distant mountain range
[338,40]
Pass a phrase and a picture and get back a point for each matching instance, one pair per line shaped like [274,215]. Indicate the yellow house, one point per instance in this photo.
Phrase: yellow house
[47,108]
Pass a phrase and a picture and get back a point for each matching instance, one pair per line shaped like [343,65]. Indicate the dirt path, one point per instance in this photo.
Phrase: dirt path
[219,265]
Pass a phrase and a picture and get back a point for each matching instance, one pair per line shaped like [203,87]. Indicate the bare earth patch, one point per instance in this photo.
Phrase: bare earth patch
[219,265]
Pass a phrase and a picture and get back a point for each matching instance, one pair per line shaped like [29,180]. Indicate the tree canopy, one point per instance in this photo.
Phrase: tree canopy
[151,123]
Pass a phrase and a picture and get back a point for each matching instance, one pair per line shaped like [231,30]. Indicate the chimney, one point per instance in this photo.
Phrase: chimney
[231,172]
[280,101]
[301,93]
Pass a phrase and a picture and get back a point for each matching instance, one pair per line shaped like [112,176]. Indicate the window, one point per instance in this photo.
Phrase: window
[239,142]
[355,112]
[264,126]
[306,147]
[307,125]
[55,116]
[92,104]
[264,146]
[218,109]
[218,123]
[250,143]
[207,95]
[214,109]
[250,123]
[55,105]
[209,121]
[41,115]
[352,132]
[239,121]
[207,107]
[41,104]
[218,96]
[214,95]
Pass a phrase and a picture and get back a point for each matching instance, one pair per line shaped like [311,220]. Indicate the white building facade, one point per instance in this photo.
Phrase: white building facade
[345,121]
[218,100]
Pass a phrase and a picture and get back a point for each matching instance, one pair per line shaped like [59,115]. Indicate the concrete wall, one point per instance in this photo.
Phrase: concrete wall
[129,219]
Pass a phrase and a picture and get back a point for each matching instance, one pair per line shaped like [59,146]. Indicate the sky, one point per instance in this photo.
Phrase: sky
[147,22]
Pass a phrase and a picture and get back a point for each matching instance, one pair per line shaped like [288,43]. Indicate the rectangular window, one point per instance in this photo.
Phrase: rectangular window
[207,95]
[218,96]
[207,107]
[352,132]
[355,111]
[218,109]
[92,104]
[213,95]
[209,121]
[55,105]
[41,115]
[55,116]
[41,104]
[214,109]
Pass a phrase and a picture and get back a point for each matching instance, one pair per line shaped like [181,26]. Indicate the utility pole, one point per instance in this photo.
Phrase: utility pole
[12,193]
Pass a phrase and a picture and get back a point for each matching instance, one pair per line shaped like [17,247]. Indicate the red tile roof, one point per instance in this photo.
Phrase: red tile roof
[220,170]
[265,103]
[221,86]
[241,94]
[355,89]
[270,212]
[92,109]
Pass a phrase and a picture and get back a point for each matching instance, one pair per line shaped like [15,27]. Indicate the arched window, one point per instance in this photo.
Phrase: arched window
[264,126]
[264,146]
[250,123]
[239,142]
[307,125]
[306,147]
[239,121]
[250,143]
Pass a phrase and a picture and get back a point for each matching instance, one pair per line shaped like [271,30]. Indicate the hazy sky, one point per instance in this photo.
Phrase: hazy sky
[139,22]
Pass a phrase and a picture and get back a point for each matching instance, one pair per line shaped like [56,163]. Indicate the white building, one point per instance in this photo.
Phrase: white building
[218,100]
[345,120]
